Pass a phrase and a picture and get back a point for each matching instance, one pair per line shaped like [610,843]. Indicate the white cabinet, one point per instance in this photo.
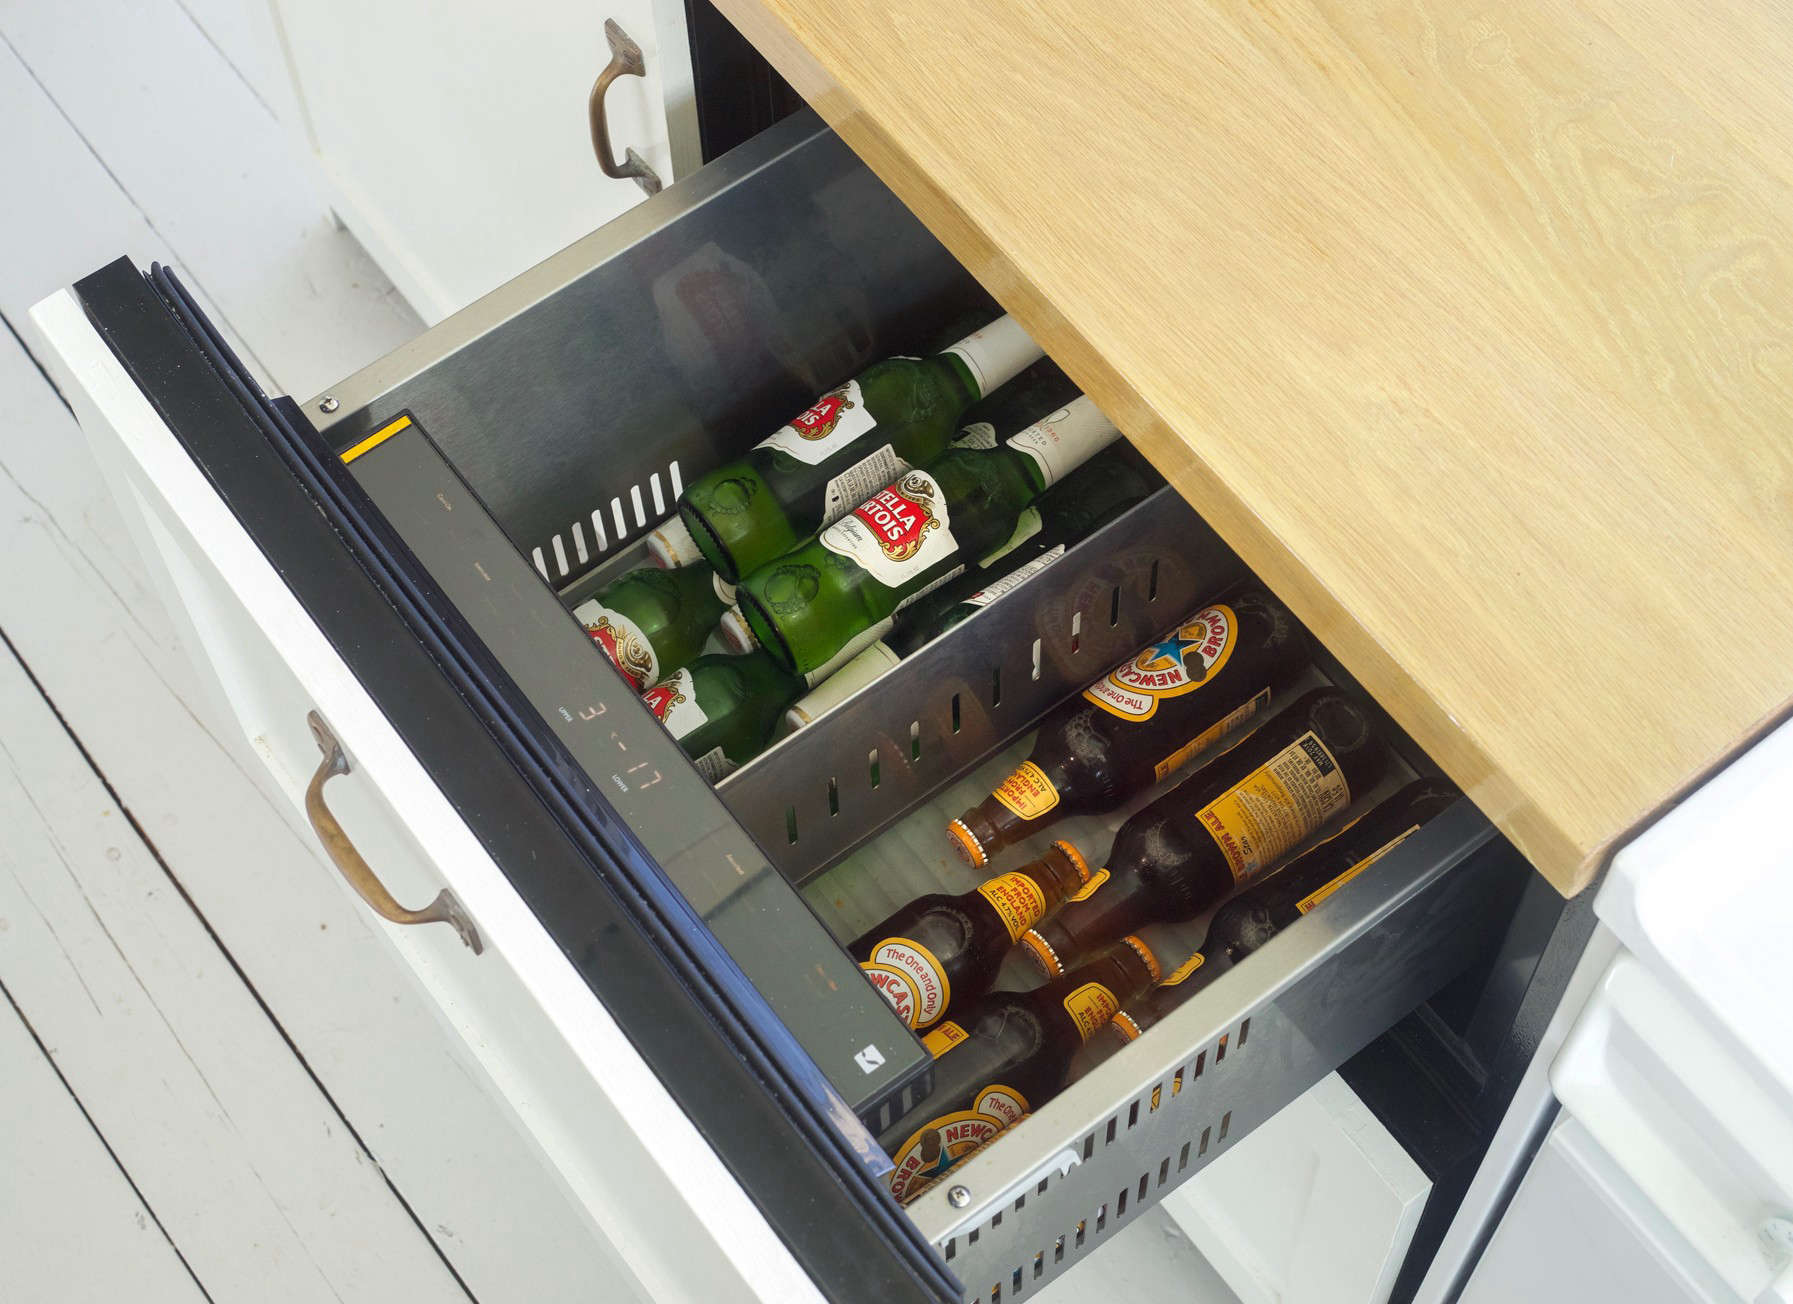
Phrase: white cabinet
[454,139]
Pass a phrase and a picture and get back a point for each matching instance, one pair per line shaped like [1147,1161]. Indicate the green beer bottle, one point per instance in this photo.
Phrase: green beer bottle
[840,590]
[894,415]
[651,621]
[1089,498]
[724,709]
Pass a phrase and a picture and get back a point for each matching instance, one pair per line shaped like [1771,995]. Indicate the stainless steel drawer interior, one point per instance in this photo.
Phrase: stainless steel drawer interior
[576,399]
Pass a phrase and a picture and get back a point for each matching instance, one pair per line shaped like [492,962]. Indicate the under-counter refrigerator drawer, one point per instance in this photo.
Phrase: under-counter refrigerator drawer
[647,967]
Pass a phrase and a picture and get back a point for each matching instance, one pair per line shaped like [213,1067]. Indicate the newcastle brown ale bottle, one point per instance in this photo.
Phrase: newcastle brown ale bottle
[939,949]
[1003,1055]
[1253,917]
[1222,828]
[1163,707]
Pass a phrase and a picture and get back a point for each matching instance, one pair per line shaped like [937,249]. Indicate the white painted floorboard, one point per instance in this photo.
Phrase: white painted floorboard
[247,1165]
[72,1231]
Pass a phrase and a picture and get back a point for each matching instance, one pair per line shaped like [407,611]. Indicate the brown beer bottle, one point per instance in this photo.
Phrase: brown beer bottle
[1256,915]
[1148,717]
[1003,1055]
[939,949]
[1222,828]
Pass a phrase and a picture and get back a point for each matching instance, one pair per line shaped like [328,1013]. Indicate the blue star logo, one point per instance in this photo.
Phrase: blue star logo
[1167,653]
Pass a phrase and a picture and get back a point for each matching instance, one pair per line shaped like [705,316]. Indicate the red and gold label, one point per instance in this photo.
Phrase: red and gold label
[1181,662]
[896,534]
[1091,1007]
[1274,807]
[824,428]
[942,1142]
[900,516]
[622,641]
[1319,894]
[674,703]
[1027,792]
[822,416]
[910,978]
[1018,901]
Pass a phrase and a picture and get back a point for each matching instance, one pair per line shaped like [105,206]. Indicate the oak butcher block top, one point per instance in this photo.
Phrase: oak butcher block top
[1469,326]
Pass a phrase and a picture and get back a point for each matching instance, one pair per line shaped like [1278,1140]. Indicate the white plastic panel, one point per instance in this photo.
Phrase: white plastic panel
[1705,897]
[595,1114]
[1695,1132]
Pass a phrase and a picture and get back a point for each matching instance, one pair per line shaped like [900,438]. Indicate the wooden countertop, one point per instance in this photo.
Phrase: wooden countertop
[1470,327]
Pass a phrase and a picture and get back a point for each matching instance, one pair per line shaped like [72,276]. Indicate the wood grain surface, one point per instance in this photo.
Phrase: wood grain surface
[1470,327]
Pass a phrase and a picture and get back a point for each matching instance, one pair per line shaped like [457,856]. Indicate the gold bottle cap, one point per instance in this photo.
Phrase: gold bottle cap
[966,844]
[1074,856]
[1040,951]
[736,632]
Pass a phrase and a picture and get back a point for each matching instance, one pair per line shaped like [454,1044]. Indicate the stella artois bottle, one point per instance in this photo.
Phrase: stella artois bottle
[1223,828]
[894,415]
[1003,1055]
[1259,913]
[650,621]
[724,709]
[1089,498]
[939,949]
[840,590]
[1164,707]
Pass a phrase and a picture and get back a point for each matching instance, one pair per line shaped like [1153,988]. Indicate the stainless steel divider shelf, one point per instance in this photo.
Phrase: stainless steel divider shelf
[1052,1190]
[944,709]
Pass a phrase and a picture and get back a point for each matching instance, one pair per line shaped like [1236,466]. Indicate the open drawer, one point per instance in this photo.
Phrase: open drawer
[644,966]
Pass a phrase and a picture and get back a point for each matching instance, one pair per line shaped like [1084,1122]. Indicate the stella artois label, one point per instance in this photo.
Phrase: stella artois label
[911,978]
[896,534]
[1181,662]
[942,1142]
[674,703]
[827,426]
[622,641]
[860,481]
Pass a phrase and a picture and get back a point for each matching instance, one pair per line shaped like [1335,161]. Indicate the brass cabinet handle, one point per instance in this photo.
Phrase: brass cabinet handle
[625,60]
[446,908]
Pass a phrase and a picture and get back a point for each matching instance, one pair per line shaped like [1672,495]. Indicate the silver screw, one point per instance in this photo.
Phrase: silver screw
[328,403]
[959,1196]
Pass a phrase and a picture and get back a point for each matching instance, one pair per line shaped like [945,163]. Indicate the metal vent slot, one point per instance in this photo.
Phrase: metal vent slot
[558,566]
[948,706]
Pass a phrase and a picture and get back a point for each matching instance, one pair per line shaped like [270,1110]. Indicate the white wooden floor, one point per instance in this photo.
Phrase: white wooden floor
[175,1086]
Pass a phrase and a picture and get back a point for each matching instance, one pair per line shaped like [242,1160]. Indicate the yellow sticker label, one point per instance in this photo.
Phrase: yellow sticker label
[1181,662]
[942,1142]
[1091,1007]
[1183,970]
[1018,901]
[1214,734]
[1027,792]
[911,978]
[1274,807]
[944,1038]
[1319,894]
[1088,890]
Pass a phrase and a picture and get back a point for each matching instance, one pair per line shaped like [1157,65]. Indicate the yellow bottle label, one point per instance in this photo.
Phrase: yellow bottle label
[1213,735]
[1319,894]
[944,1038]
[942,1142]
[1088,890]
[1274,807]
[1018,901]
[1028,792]
[1183,970]
[911,978]
[1181,662]
[1091,1007]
